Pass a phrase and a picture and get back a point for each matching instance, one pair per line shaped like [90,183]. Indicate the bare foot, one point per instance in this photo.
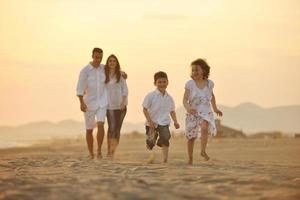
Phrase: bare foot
[99,155]
[151,159]
[91,156]
[205,156]
[190,161]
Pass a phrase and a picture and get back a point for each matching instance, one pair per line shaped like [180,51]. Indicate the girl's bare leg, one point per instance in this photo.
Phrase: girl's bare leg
[190,147]
[204,138]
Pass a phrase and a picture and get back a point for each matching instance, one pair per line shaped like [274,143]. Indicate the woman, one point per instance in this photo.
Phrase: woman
[117,102]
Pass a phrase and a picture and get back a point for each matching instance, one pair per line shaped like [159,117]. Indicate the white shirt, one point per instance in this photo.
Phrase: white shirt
[159,107]
[116,91]
[92,87]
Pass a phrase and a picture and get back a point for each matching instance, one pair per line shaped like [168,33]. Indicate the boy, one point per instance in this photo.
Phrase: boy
[158,105]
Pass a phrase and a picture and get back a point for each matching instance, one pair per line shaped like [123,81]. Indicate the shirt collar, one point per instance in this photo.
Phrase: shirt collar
[159,93]
[92,67]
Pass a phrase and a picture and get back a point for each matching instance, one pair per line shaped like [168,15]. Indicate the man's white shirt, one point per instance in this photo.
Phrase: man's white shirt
[91,85]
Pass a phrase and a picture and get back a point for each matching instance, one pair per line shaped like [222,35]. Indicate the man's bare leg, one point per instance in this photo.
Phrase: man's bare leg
[100,136]
[90,141]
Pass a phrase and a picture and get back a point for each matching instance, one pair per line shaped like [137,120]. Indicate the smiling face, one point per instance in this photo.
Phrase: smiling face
[161,84]
[97,58]
[112,63]
[197,72]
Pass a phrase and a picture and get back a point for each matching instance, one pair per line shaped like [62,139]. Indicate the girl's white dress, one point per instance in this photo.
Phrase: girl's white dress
[199,99]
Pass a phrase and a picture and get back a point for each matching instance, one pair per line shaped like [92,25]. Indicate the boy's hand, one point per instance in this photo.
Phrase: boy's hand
[192,111]
[177,126]
[83,107]
[152,125]
[218,112]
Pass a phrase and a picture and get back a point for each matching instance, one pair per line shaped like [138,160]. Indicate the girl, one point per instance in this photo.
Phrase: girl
[117,102]
[198,99]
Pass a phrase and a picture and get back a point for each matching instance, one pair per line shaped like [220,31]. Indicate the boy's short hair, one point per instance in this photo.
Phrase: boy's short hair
[97,50]
[204,66]
[160,74]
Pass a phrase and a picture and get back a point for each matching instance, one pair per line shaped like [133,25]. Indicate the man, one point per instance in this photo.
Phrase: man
[93,99]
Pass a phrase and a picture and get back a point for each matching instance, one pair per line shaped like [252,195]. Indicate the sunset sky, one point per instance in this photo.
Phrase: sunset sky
[253,47]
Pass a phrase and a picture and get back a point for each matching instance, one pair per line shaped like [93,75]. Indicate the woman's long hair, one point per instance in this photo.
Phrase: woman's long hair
[117,70]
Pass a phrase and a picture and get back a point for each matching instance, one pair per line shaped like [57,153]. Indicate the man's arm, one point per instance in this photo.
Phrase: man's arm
[81,87]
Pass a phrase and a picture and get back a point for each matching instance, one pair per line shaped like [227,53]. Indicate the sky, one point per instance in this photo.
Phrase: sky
[252,46]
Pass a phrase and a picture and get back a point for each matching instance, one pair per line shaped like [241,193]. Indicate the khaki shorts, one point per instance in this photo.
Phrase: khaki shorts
[90,116]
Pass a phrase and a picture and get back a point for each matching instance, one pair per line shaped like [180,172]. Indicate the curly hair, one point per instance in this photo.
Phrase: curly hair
[204,66]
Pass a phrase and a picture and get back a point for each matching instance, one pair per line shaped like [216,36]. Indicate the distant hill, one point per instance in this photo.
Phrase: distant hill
[247,117]
[252,118]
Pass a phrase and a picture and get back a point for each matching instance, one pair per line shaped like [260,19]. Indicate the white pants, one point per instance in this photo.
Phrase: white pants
[90,115]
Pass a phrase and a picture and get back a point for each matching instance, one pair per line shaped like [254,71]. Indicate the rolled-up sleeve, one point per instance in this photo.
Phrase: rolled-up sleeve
[82,83]
[124,88]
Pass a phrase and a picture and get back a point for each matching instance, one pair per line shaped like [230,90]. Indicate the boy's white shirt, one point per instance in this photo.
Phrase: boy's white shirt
[159,107]
[92,87]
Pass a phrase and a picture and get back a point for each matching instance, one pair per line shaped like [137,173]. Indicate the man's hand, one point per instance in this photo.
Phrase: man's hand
[177,126]
[83,107]
[123,106]
[124,75]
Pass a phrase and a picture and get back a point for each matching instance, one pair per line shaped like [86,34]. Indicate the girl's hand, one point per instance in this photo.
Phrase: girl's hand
[192,111]
[177,126]
[218,112]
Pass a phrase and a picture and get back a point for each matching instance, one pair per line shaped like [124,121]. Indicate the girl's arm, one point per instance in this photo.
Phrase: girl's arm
[214,105]
[186,103]
[174,118]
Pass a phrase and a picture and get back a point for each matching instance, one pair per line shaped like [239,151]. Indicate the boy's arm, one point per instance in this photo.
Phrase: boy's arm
[174,118]
[147,115]
[214,105]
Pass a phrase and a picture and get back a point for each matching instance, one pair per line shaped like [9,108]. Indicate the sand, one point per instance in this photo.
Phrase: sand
[238,169]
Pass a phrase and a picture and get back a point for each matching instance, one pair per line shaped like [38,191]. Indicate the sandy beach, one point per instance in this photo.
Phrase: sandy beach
[239,169]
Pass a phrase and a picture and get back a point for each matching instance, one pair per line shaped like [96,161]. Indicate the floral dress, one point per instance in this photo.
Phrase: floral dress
[199,99]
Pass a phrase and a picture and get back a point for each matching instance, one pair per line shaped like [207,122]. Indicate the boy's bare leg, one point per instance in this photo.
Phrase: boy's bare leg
[151,158]
[190,147]
[165,151]
[100,136]
[204,138]
[90,141]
